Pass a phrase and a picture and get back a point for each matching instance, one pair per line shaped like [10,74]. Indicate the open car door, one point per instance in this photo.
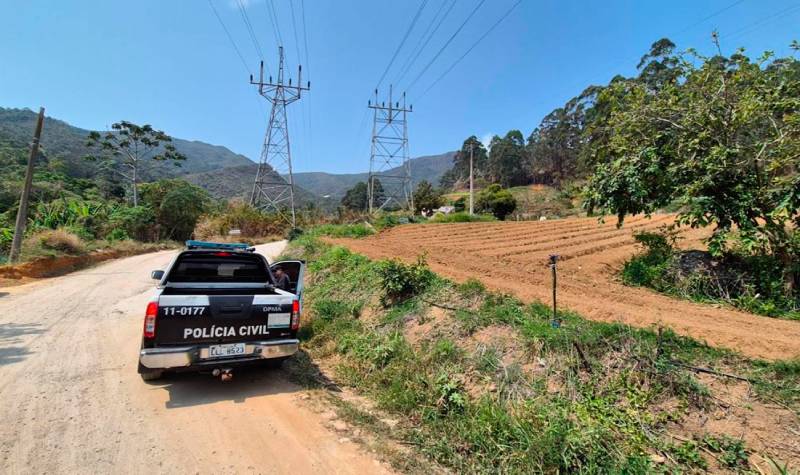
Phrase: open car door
[295,271]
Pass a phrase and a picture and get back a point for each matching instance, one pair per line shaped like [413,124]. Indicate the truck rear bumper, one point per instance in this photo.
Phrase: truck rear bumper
[194,356]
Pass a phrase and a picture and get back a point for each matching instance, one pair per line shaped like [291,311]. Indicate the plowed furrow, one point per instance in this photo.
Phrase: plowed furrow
[513,257]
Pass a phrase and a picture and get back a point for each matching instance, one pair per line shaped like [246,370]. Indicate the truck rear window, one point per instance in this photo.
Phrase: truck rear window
[211,267]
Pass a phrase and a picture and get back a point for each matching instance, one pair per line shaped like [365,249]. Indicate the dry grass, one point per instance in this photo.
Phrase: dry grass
[52,242]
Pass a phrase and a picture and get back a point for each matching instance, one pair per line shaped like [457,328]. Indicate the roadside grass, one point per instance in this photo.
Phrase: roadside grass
[587,397]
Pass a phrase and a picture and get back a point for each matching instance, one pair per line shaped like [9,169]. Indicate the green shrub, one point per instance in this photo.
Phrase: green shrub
[494,199]
[400,281]
[6,236]
[460,218]
[137,222]
[117,234]
[343,230]
[294,233]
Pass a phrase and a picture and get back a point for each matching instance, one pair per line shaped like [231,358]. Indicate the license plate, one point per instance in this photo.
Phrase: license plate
[217,351]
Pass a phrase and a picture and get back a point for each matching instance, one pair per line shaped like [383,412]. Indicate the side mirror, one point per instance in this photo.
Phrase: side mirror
[157,275]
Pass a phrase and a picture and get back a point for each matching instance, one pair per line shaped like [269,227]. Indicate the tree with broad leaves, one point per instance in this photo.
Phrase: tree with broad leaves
[126,149]
[722,140]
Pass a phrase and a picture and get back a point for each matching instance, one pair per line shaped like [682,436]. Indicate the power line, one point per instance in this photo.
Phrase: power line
[446,44]
[424,40]
[710,16]
[273,20]
[277,20]
[759,23]
[230,38]
[249,26]
[507,13]
[294,31]
[305,34]
[400,46]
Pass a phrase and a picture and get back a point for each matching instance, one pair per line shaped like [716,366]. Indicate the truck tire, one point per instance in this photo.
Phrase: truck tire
[149,374]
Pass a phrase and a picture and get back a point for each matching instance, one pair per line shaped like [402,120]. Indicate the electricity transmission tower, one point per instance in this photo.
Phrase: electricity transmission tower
[271,191]
[388,161]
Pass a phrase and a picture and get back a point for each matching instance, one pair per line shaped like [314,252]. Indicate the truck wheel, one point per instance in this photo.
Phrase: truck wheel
[149,374]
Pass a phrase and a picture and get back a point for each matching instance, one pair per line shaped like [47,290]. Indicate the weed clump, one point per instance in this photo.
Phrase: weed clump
[51,242]
[401,281]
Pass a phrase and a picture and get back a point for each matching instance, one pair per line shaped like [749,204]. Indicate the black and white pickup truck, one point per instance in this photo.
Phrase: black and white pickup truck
[217,307]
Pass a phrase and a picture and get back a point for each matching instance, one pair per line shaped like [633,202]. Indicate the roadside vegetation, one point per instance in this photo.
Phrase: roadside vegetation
[472,380]
[750,282]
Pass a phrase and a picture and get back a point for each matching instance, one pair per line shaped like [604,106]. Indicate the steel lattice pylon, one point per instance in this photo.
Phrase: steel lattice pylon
[271,191]
[388,161]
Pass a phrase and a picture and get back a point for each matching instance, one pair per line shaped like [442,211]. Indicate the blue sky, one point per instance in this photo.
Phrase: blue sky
[169,63]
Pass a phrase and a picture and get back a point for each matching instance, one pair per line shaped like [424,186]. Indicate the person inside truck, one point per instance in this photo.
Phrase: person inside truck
[281,279]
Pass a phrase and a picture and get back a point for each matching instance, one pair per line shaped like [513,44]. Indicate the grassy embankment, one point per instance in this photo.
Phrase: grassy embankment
[482,382]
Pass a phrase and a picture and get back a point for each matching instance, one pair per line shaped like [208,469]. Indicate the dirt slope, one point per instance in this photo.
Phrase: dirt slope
[512,257]
[71,401]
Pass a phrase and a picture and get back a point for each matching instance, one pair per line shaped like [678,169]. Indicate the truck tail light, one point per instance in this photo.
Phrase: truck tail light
[295,314]
[150,320]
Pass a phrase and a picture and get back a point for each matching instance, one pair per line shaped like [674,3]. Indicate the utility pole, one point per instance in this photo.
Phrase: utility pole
[471,188]
[273,189]
[388,161]
[22,214]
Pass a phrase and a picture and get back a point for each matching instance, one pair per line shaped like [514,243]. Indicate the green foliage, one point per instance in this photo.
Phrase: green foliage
[752,283]
[135,222]
[458,176]
[720,135]
[460,204]
[342,230]
[357,197]
[508,163]
[178,206]
[497,201]
[127,147]
[606,422]
[460,218]
[401,281]
[732,452]
[427,197]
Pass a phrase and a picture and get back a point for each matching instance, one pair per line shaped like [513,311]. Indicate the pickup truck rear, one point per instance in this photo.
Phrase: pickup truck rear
[216,307]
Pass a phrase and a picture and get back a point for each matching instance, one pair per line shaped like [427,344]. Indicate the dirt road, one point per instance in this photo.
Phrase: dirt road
[513,257]
[72,402]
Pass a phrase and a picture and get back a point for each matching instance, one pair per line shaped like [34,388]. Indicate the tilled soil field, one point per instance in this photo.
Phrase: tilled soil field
[513,257]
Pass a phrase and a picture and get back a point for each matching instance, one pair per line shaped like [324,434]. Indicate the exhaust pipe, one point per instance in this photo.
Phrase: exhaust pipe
[225,374]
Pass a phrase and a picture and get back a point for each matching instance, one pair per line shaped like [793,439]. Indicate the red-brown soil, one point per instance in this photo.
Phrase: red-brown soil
[513,257]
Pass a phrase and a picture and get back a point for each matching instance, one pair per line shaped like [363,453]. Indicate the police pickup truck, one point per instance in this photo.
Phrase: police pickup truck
[217,307]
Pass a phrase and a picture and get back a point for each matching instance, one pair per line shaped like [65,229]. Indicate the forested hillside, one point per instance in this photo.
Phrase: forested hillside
[335,185]
[66,144]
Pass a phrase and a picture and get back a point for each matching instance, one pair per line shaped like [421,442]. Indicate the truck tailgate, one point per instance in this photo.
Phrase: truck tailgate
[189,319]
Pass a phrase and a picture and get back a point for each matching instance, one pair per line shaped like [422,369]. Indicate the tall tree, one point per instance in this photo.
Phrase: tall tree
[356,198]
[427,197]
[723,140]
[127,148]
[507,164]
[459,174]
